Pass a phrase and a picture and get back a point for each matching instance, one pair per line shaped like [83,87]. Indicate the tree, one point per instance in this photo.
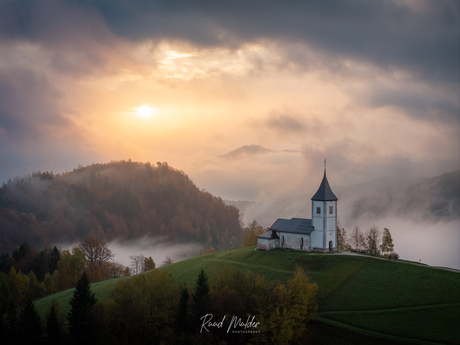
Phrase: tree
[53,325]
[137,263]
[387,242]
[149,264]
[79,317]
[372,239]
[200,294]
[342,240]
[182,316]
[30,325]
[290,307]
[251,233]
[167,261]
[145,308]
[70,267]
[97,253]
[355,238]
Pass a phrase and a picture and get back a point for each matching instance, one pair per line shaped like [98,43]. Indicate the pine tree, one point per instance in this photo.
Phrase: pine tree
[79,317]
[200,296]
[53,326]
[182,317]
[30,326]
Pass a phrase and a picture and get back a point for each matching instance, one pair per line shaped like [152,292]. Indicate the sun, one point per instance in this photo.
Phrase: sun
[145,111]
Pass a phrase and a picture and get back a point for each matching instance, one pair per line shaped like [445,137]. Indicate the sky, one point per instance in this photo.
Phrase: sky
[373,86]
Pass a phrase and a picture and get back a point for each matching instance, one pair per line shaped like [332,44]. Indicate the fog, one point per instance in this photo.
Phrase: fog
[433,244]
[157,248]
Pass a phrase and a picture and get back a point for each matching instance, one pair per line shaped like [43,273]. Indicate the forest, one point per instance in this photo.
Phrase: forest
[119,200]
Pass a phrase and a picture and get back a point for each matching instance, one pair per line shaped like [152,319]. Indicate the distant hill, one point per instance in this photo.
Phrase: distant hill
[361,300]
[118,200]
[246,150]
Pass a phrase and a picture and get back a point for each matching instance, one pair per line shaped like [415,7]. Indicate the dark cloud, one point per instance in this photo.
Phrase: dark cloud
[421,37]
[27,106]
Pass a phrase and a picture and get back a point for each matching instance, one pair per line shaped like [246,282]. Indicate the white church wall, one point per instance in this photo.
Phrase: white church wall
[267,244]
[294,241]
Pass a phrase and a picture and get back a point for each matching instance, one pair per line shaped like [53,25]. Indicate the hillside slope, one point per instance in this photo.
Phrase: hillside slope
[360,299]
[118,200]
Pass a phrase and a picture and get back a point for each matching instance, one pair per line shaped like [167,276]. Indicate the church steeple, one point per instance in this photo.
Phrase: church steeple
[324,192]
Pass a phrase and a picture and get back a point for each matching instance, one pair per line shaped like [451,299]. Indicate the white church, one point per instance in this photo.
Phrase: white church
[318,234]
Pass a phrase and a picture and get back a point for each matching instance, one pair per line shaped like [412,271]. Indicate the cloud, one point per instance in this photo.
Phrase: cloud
[283,123]
[417,36]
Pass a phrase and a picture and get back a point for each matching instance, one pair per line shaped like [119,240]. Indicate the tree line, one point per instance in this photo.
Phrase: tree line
[118,200]
[372,241]
[29,274]
[151,308]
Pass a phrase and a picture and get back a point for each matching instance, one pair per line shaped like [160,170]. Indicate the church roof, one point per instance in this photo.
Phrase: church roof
[296,225]
[324,192]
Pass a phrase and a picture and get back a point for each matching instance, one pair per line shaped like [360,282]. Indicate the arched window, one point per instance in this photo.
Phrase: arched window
[301,243]
[282,240]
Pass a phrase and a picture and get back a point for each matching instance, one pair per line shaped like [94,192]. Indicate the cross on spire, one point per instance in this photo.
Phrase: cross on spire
[324,165]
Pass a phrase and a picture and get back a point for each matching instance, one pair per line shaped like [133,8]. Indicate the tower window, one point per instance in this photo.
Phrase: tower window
[318,210]
[331,209]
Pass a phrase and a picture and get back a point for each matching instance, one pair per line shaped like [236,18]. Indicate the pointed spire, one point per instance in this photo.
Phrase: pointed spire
[324,192]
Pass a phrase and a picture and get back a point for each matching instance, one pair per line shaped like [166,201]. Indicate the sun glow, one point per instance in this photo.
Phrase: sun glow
[145,111]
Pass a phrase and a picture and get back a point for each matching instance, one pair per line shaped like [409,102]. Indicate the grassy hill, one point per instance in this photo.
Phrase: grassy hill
[360,299]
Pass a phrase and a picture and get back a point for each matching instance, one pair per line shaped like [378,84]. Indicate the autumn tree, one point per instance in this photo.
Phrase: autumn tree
[70,267]
[144,309]
[289,308]
[97,254]
[251,233]
[387,242]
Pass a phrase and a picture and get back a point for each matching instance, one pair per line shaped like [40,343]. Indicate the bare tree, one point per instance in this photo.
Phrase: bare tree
[167,261]
[137,263]
[356,238]
[373,236]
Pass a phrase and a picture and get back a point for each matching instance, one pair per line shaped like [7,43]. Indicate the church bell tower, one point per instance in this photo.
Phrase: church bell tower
[324,217]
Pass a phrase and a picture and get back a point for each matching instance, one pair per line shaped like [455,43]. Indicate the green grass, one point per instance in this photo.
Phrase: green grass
[359,296]
[407,322]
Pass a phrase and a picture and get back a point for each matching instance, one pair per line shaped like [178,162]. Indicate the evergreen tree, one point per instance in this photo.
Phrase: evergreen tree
[30,326]
[182,312]
[79,317]
[54,258]
[9,329]
[53,325]
[200,296]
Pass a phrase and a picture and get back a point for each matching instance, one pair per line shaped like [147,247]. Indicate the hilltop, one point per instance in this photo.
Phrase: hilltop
[118,200]
[360,299]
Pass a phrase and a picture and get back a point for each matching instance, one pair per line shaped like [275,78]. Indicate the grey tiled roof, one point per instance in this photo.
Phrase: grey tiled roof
[324,192]
[296,225]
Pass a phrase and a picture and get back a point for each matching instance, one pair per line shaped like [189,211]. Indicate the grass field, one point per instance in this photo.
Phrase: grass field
[360,298]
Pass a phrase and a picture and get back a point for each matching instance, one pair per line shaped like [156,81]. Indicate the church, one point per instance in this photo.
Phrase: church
[318,234]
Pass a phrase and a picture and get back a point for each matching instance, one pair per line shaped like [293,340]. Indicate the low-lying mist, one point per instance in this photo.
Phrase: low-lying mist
[157,248]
